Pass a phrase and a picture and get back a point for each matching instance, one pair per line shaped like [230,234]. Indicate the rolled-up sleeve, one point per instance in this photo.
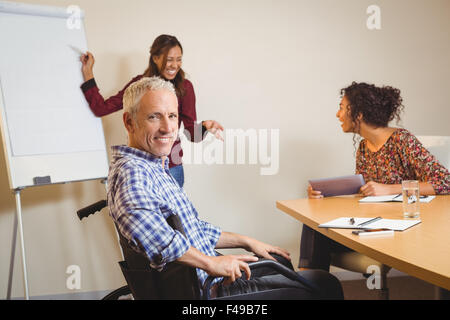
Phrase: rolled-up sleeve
[140,220]
[211,231]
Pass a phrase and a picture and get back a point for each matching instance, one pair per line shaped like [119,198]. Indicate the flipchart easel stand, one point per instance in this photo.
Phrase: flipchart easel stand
[18,226]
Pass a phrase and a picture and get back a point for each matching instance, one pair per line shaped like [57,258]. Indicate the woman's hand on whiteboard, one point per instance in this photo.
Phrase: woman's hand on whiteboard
[88,65]
[214,127]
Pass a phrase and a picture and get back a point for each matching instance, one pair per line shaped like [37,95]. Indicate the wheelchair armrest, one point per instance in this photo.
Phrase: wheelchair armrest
[266,263]
[91,209]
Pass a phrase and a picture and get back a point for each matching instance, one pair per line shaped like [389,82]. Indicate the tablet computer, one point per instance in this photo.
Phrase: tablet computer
[338,186]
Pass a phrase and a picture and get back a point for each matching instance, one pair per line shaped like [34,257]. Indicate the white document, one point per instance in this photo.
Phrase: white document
[393,198]
[396,225]
[391,224]
[345,223]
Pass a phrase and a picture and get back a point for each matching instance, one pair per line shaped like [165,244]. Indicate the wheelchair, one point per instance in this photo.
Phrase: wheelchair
[124,291]
[180,282]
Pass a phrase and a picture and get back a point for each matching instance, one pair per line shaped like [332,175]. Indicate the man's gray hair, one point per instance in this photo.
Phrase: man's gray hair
[134,93]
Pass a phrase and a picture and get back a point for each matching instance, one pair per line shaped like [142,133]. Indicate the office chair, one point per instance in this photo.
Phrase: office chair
[439,146]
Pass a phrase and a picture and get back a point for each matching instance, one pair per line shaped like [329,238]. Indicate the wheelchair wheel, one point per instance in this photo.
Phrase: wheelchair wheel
[123,293]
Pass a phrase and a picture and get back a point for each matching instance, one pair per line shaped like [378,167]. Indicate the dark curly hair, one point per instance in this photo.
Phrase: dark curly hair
[377,105]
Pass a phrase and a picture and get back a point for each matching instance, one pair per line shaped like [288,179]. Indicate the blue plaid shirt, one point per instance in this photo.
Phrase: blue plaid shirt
[141,196]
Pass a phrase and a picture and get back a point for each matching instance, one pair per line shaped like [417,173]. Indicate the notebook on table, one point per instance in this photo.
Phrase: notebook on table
[369,223]
[393,198]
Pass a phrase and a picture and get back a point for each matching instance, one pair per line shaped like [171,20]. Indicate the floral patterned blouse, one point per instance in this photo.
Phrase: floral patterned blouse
[402,157]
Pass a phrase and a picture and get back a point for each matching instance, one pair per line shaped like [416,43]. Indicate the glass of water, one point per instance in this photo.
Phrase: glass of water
[411,198]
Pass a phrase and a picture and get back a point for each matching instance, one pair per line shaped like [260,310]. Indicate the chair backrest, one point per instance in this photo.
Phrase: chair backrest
[439,146]
[175,281]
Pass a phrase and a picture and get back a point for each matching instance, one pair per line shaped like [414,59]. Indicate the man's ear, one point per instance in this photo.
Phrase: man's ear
[128,122]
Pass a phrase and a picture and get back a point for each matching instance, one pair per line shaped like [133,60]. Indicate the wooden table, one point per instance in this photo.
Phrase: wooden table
[422,251]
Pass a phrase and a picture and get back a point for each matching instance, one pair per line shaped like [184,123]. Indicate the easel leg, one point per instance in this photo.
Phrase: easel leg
[22,243]
[11,262]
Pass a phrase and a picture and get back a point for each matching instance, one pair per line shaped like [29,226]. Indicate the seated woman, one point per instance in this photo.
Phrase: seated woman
[386,156]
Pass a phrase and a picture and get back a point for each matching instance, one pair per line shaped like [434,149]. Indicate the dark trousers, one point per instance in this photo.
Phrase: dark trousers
[267,279]
[316,250]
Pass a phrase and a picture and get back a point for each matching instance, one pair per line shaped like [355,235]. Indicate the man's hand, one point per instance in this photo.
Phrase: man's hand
[264,250]
[261,249]
[230,266]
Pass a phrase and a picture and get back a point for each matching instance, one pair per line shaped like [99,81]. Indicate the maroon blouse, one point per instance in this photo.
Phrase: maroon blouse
[186,111]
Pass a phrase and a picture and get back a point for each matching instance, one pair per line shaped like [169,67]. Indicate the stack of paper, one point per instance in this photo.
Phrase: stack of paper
[391,224]
[393,198]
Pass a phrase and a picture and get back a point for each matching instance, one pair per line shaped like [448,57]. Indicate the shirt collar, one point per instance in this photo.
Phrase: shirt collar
[123,150]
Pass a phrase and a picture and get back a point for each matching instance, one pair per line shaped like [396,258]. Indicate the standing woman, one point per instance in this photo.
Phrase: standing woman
[165,61]
[386,156]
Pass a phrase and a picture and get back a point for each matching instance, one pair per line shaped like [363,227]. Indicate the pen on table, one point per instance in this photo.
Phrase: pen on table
[421,197]
[368,221]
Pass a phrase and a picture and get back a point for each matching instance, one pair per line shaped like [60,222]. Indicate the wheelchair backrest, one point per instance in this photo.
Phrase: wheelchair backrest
[175,281]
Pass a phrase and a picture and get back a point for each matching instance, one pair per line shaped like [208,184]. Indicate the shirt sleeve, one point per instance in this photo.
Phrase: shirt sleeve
[188,114]
[140,220]
[211,231]
[425,166]
[99,105]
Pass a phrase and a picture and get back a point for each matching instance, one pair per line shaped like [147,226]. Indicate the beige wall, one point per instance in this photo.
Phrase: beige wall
[254,64]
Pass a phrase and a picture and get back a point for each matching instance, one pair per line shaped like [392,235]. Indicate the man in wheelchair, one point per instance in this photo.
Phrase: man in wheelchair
[142,195]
